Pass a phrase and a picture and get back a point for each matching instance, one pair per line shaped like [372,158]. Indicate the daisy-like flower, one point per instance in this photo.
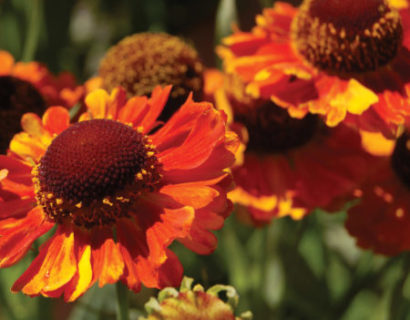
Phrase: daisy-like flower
[117,188]
[142,61]
[30,87]
[346,60]
[195,303]
[290,166]
[381,220]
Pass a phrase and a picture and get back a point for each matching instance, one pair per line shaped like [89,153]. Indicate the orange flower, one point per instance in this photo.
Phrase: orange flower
[30,87]
[55,90]
[194,303]
[345,60]
[381,220]
[290,166]
[119,187]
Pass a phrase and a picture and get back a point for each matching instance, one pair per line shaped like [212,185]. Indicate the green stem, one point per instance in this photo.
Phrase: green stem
[33,30]
[122,301]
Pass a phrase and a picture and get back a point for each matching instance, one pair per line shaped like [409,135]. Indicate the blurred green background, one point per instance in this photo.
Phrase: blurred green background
[308,269]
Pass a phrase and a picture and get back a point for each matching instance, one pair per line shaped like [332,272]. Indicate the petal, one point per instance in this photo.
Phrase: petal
[56,120]
[156,103]
[6,62]
[108,265]
[83,279]
[17,235]
[16,207]
[134,249]
[53,268]
[209,130]
[134,111]
[356,98]
[97,103]
[191,194]
[163,226]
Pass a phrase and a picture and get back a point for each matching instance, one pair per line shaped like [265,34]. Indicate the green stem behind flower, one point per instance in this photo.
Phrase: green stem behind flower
[33,30]
[122,301]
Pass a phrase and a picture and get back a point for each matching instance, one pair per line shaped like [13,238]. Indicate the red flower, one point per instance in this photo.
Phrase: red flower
[290,166]
[345,60]
[119,187]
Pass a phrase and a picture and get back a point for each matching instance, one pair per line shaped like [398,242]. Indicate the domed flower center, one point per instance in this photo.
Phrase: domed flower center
[16,98]
[401,158]
[272,130]
[144,60]
[349,36]
[93,171]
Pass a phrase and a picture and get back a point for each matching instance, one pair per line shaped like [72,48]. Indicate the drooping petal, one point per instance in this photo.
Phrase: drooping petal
[53,268]
[107,261]
[17,235]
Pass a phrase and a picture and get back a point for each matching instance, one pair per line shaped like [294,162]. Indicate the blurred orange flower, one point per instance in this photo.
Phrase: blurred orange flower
[55,90]
[119,187]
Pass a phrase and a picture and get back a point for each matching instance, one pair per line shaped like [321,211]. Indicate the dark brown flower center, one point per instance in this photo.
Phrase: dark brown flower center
[401,158]
[142,61]
[94,170]
[272,130]
[349,36]
[16,98]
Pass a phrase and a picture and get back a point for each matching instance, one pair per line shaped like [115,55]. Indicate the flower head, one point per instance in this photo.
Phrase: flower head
[380,221]
[119,187]
[143,61]
[345,60]
[29,87]
[194,304]
[290,166]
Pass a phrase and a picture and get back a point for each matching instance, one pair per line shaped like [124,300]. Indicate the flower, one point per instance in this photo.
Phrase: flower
[55,90]
[345,60]
[142,61]
[30,87]
[119,187]
[381,219]
[290,166]
[194,303]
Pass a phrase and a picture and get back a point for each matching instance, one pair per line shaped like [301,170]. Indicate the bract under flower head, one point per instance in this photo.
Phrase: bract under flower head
[194,304]
[351,64]
[114,172]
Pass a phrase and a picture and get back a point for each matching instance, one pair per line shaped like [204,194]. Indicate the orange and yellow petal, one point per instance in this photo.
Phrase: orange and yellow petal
[53,268]
[18,234]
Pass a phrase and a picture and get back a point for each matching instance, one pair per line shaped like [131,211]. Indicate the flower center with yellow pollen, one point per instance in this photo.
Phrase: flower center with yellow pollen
[16,98]
[401,158]
[143,61]
[93,172]
[347,36]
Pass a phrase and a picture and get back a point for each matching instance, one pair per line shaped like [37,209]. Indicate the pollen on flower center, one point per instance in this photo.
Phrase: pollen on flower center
[401,158]
[347,36]
[16,98]
[93,171]
[142,61]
